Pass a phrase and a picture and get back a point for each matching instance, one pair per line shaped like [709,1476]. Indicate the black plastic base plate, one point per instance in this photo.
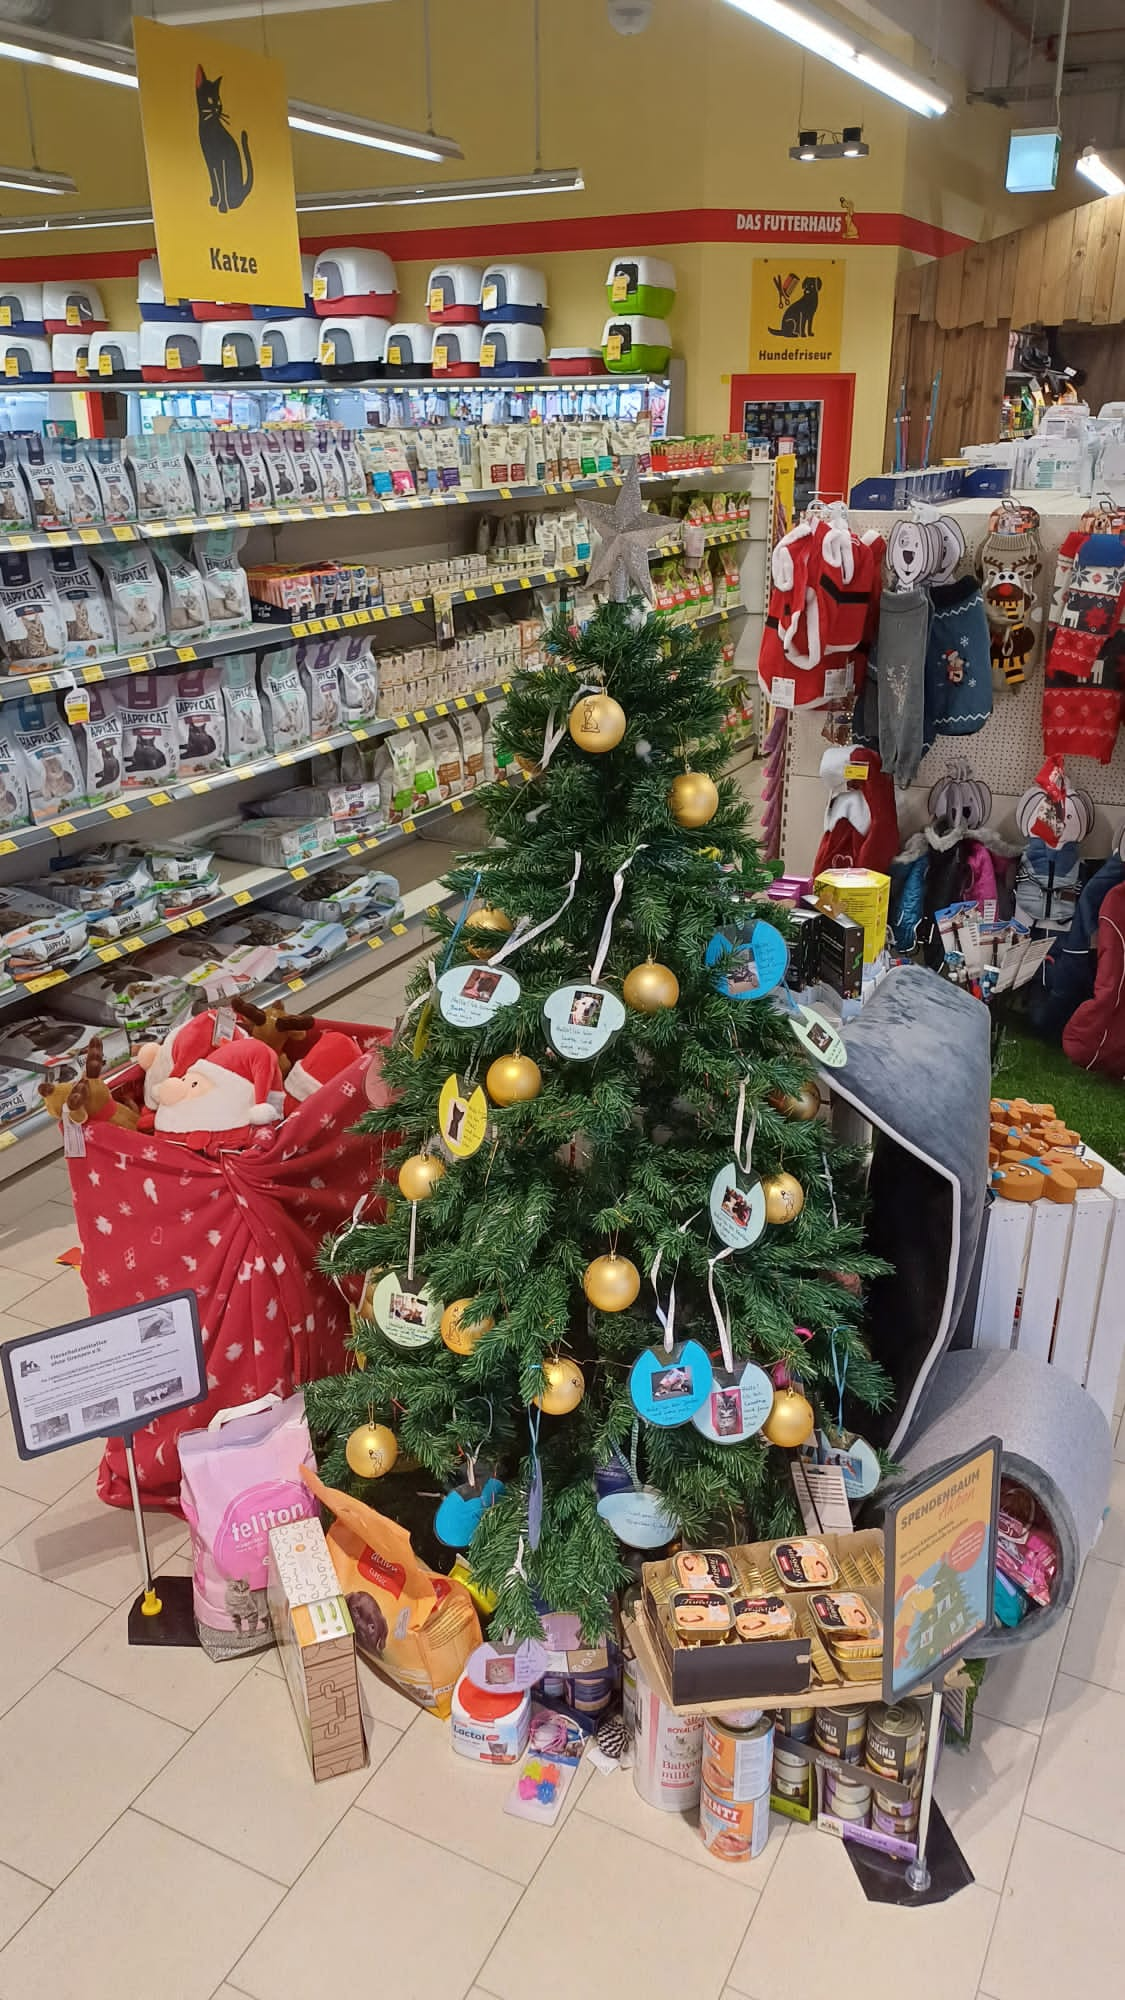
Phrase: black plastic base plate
[173,1624]
[883,1879]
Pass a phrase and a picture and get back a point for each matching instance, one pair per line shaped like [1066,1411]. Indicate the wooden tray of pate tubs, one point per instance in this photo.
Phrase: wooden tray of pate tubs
[773,1673]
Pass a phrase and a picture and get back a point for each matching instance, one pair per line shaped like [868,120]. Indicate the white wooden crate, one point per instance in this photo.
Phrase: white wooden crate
[1052,1283]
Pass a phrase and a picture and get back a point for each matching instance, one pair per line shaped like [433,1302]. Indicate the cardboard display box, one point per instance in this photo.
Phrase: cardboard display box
[316,1639]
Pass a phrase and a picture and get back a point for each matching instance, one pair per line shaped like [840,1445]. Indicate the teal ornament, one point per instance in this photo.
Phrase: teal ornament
[855,1458]
[738,1207]
[582,1020]
[639,1517]
[469,995]
[749,960]
[667,1388]
[458,1514]
[739,1403]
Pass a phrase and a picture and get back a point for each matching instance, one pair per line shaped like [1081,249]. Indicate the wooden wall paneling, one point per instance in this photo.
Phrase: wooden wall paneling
[953,397]
[927,291]
[1114,216]
[1009,258]
[983,412]
[1117,297]
[1029,275]
[1076,260]
[1056,268]
[994,262]
[973,285]
[1092,266]
[904,328]
[908,289]
[926,354]
[950,277]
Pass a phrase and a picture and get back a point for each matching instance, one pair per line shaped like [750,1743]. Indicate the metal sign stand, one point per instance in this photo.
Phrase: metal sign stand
[163,1614]
[918,1872]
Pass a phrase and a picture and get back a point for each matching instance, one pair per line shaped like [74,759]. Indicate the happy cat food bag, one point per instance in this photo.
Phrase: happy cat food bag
[240,1478]
[51,764]
[32,627]
[420,1626]
[135,595]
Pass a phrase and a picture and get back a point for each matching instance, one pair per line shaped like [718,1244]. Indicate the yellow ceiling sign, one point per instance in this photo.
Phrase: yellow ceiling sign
[796,315]
[220,168]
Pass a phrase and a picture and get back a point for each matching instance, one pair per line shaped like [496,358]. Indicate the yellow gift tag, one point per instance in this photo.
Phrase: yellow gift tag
[73,314]
[437,299]
[462,1117]
[488,355]
[613,347]
[11,364]
[328,353]
[620,288]
[320,286]
[105,364]
[488,298]
[230,354]
[172,357]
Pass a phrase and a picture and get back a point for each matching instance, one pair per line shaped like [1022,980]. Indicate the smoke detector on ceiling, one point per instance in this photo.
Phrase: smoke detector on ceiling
[629,17]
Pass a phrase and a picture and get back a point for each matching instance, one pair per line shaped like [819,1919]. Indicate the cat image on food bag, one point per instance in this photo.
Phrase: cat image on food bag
[32,628]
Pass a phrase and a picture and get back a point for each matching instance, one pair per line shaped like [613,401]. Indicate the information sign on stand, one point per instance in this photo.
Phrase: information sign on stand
[109,1376]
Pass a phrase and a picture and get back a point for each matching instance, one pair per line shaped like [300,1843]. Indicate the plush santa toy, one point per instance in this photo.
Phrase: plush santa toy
[222,1098]
[175,1055]
[330,1054]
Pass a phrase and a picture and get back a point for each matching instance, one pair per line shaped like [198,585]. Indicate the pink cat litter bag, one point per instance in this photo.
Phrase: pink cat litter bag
[241,1477]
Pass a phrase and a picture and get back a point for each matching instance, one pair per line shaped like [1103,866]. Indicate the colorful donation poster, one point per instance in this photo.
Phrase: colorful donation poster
[940,1559]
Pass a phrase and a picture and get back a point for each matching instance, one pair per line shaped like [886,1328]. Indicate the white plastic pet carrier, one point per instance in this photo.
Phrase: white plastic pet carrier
[289,349]
[229,349]
[351,350]
[456,351]
[23,358]
[453,294]
[115,356]
[170,351]
[150,293]
[354,283]
[408,348]
[72,306]
[70,356]
[513,350]
[21,309]
[293,312]
[513,294]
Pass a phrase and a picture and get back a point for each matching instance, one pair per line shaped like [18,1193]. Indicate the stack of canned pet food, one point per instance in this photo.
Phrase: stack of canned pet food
[871,1741]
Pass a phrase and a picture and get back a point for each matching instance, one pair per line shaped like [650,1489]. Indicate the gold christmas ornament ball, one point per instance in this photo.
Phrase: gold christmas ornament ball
[649,987]
[371,1451]
[791,1419]
[597,722]
[693,799]
[418,1176]
[804,1106]
[486,918]
[611,1283]
[513,1080]
[564,1386]
[459,1334]
[785,1197]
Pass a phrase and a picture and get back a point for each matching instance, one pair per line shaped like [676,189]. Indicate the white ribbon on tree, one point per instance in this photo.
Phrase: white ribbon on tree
[722,1317]
[525,930]
[607,927]
[555,731]
[667,1317]
[743,1159]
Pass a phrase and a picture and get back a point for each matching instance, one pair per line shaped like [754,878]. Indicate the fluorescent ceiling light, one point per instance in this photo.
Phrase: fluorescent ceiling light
[30,180]
[819,36]
[370,132]
[563,182]
[98,60]
[1094,168]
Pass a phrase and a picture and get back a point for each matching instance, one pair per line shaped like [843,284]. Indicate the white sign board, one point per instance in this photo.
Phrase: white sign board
[104,1377]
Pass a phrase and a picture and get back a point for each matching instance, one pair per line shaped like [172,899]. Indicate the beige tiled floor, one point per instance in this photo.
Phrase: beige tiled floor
[160,1832]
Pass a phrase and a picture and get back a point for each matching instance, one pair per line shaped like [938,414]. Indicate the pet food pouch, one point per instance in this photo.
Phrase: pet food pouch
[394,771]
[240,1478]
[204,473]
[359,679]
[472,748]
[185,598]
[305,464]
[89,627]
[246,734]
[224,579]
[233,472]
[279,470]
[161,475]
[83,501]
[202,723]
[329,467]
[316,664]
[15,501]
[420,1626]
[445,755]
[32,632]
[150,754]
[13,783]
[43,473]
[426,791]
[99,739]
[51,763]
[285,705]
[135,596]
[346,444]
[107,457]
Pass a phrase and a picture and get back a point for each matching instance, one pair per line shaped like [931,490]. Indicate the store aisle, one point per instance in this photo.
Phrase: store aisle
[159,1827]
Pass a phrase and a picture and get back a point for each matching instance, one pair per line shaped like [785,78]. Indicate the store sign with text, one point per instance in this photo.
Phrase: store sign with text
[764,225]
[220,168]
[796,315]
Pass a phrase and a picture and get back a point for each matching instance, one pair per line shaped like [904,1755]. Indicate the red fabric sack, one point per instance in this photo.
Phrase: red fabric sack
[243,1231]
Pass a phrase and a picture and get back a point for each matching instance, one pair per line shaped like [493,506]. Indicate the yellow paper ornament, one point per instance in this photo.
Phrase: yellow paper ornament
[513,1079]
[791,1419]
[693,798]
[459,1334]
[597,722]
[785,1197]
[371,1451]
[418,1176]
[649,987]
[564,1386]
[611,1283]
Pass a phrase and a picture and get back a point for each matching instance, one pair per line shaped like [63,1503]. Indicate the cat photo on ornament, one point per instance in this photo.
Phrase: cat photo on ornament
[480,985]
[670,1382]
[409,1307]
[735,1204]
[455,1118]
[741,973]
[726,1412]
[585,1009]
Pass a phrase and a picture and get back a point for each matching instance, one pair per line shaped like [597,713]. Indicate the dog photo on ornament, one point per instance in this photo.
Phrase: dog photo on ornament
[585,1009]
[408,1307]
[480,985]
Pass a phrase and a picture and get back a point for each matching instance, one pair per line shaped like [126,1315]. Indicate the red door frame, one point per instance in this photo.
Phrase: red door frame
[836,395]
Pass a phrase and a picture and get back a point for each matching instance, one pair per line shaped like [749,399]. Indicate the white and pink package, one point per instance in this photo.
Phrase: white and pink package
[240,1478]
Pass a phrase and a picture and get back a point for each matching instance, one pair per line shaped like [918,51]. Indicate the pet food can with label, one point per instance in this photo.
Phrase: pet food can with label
[796,1722]
[895,1734]
[667,1752]
[841,1731]
[737,1762]
[790,1774]
[734,1829]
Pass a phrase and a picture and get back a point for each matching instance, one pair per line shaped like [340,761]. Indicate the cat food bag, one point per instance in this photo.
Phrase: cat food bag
[13,784]
[419,1625]
[185,597]
[285,705]
[329,467]
[160,475]
[359,679]
[149,732]
[472,748]
[115,490]
[316,663]
[135,595]
[83,501]
[306,465]
[51,764]
[426,791]
[249,448]
[394,773]
[99,747]
[202,721]
[224,579]
[32,631]
[279,469]
[232,477]
[42,470]
[351,464]
[15,500]
[89,627]
[204,473]
[445,756]
[246,732]
[239,1478]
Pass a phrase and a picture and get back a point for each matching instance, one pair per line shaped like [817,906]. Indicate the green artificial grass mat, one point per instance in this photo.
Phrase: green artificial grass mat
[1091,1104]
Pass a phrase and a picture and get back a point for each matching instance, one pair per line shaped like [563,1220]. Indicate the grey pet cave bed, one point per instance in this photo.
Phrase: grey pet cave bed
[1056,1443]
[918,1071]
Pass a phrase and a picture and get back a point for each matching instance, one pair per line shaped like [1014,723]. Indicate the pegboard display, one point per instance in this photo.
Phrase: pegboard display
[1005,754]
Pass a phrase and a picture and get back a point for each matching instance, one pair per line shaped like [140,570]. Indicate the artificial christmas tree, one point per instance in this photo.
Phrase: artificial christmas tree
[545,1305]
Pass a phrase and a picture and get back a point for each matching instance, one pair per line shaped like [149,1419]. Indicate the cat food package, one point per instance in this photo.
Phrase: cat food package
[224,579]
[284,490]
[99,747]
[51,764]
[135,595]
[185,598]
[359,679]
[445,757]
[246,731]
[115,489]
[329,465]
[239,1478]
[204,472]
[89,627]
[394,771]
[285,705]
[149,731]
[15,500]
[426,792]
[316,662]
[346,445]
[472,748]
[202,721]
[32,631]
[160,475]
[43,473]
[13,784]
[417,1625]
[248,448]
[306,466]
[76,474]
[233,473]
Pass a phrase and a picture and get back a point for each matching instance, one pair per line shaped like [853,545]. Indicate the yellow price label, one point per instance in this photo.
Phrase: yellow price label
[320,285]
[295,985]
[186,653]
[93,673]
[62,827]
[73,313]
[488,297]
[394,356]
[197,917]
[105,364]
[82,364]
[41,684]
[124,534]
[328,353]
[241,896]
[9,846]
[620,288]
[229,354]
[5,315]
[172,357]
[439,359]
[89,534]
[176,925]
[134,943]
[11,364]
[265,354]
[44,980]
[613,347]
[488,354]
[436,299]
[109,953]
[121,811]
[159,799]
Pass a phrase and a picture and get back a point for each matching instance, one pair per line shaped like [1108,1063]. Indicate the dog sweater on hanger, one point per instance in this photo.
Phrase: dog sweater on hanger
[958,661]
[1082,690]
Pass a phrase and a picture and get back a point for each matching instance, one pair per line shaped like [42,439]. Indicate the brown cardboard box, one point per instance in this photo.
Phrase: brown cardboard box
[316,1638]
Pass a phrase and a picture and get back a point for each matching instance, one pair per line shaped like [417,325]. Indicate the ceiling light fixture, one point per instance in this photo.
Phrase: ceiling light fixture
[845,145]
[32,180]
[1093,167]
[819,36]
[370,132]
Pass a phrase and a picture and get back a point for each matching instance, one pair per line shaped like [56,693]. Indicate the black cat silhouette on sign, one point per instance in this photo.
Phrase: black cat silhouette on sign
[232,172]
